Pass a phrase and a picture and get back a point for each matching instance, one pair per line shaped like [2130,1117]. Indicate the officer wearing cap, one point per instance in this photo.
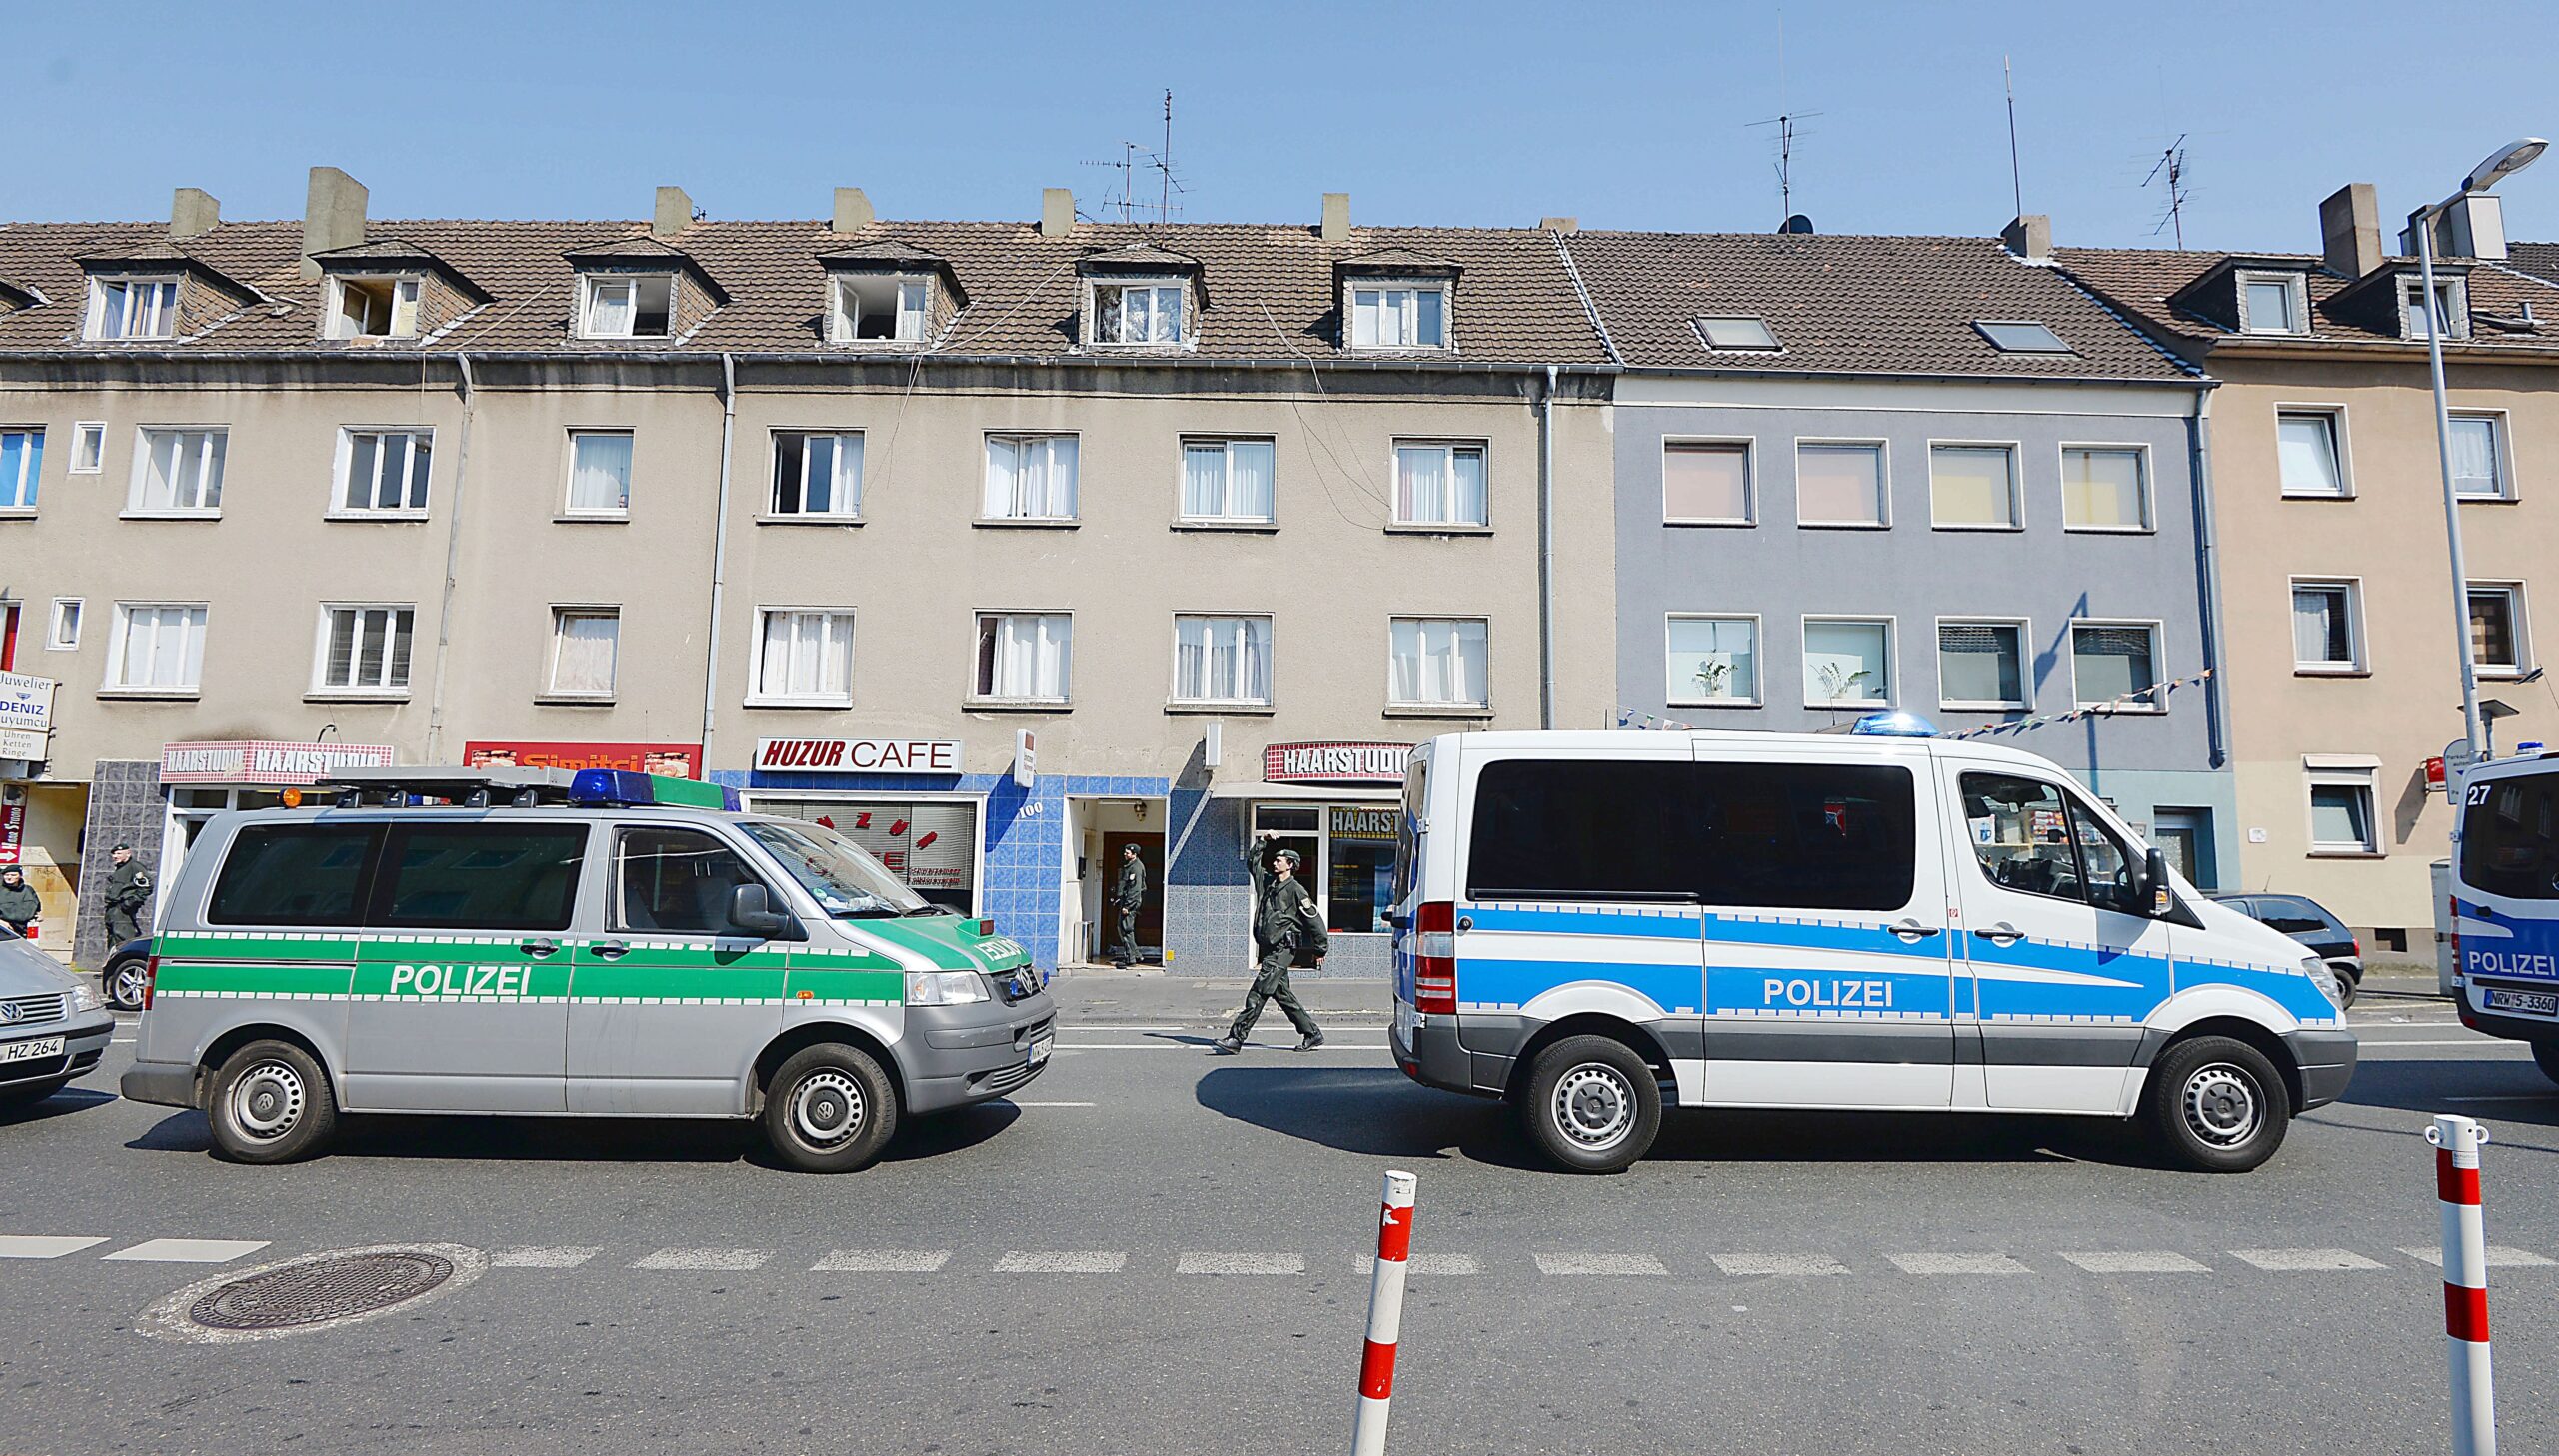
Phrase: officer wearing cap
[19,904]
[1286,930]
[1130,896]
[128,890]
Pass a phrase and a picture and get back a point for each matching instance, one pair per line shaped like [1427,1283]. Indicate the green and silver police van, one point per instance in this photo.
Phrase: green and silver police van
[603,943]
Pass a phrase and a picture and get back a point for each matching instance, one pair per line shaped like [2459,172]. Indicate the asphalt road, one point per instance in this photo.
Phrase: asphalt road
[1152,1250]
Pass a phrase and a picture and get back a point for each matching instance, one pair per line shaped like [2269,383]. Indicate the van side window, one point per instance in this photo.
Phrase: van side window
[1610,829]
[481,877]
[2033,838]
[294,875]
[1809,836]
[676,881]
[2510,837]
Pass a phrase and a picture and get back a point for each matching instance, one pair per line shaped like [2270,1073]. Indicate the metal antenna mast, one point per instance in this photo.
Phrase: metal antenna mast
[2172,165]
[2016,180]
[1133,159]
[1785,121]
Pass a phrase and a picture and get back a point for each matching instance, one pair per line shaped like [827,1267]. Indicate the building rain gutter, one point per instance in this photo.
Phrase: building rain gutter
[2216,700]
[719,554]
[452,562]
[1546,552]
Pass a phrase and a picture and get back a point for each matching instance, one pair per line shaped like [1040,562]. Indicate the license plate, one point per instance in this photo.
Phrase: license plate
[36,1051]
[1040,1050]
[2531,1003]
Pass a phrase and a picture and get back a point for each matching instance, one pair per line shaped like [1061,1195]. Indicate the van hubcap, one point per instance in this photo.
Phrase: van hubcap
[1594,1106]
[2222,1106]
[267,1102]
[826,1109]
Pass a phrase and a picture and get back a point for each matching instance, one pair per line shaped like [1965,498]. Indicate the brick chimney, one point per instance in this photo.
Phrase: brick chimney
[332,215]
[1337,218]
[1056,211]
[674,214]
[2350,230]
[853,210]
[2029,236]
[192,214]
[1558,225]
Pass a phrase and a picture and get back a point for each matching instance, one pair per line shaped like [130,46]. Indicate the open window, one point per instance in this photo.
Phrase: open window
[627,306]
[881,309]
[374,307]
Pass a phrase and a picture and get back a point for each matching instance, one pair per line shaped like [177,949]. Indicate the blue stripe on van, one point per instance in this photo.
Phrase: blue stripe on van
[1492,982]
[1652,924]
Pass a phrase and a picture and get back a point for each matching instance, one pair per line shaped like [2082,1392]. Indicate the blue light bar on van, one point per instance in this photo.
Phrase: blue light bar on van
[621,787]
[1897,724]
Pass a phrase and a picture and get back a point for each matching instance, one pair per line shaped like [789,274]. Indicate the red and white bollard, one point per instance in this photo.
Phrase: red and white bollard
[2465,1284]
[1385,1318]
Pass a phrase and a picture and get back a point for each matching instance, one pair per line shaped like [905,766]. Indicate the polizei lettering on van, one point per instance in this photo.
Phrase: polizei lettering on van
[2509,963]
[503,982]
[1864,996]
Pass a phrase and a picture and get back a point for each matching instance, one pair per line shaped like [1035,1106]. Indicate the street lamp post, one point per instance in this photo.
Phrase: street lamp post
[2508,160]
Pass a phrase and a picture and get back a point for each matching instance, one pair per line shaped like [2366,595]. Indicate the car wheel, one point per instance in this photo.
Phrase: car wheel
[270,1103]
[829,1109]
[29,1094]
[1591,1104]
[123,982]
[2545,1055]
[2217,1106]
[2346,985]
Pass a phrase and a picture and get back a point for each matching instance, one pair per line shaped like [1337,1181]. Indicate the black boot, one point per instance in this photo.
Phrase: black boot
[1225,1046]
[1311,1040]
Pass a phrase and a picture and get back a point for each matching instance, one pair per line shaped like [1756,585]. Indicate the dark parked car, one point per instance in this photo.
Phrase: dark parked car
[126,971]
[2307,921]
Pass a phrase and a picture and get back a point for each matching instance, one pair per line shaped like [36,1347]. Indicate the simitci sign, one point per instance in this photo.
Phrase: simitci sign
[857,756]
[1335,763]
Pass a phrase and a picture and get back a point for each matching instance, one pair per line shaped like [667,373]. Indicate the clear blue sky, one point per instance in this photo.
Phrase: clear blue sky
[1493,112]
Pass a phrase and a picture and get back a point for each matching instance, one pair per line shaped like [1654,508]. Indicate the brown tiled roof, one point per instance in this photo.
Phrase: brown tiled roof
[2142,280]
[398,250]
[1850,304]
[2541,260]
[1277,296]
[1138,254]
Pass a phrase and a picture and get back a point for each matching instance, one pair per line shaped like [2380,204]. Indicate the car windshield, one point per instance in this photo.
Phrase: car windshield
[837,872]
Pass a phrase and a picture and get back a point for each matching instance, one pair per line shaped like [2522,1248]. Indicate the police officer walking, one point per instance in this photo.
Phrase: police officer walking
[1131,898]
[128,890]
[1286,930]
[19,905]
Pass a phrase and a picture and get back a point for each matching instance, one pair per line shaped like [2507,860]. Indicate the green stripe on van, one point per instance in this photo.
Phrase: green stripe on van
[255,946]
[847,985]
[760,983]
[927,939]
[249,979]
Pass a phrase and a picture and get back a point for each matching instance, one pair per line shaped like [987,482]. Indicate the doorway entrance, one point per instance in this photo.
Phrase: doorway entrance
[2184,835]
[1149,848]
[1098,829]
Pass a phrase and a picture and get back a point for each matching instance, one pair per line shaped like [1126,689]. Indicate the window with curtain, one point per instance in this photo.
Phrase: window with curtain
[1706,481]
[2341,817]
[1226,479]
[178,471]
[134,307]
[364,649]
[2307,451]
[630,306]
[598,472]
[584,642]
[1437,662]
[1025,656]
[1848,662]
[1031,478]
[385,470]
[817,473]
[2110,660]
[2323,625]
[871,308]
[2102,489]
[805,655]
[21,468]
[1136,312]
[2496,628]
[1839,485]
[1222,659]
[1713,660]
[1440,484]
[159,645]
[1972,484]
[1980,664]
[1399,317]
[2478,462]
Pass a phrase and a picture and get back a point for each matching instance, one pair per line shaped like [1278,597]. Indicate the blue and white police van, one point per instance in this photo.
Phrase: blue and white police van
[2504,911]
[1592,925]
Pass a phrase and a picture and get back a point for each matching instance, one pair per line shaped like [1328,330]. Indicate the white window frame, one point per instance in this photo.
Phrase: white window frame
[1481,450]
[590,282]
[2297,294]
[773,513]
[96,323]
[1891,660]
[1427,708]
[110,687]
[2501,423]
[88,449]
[1183,333]
[2343,771]
[321,687]
[2357,662]
[2016,485]
[2518,618]
[2336,415]
[1703,324]
[406,290]
[569,510]
[1386,286]
[2140,449]
[2025,699]
[1269,662]
[1883,482]
[1075,489]
[62,630]
[339,482]
[135,510]
[561,611]
[2454,292]
[912,326]
[1227,444]
[757,696]
[2156,702]
[27,487]
[1758,661]
[1749,479]
[1066,662]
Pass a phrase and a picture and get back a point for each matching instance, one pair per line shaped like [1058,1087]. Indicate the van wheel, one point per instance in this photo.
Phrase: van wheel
[1591,1104]
[829,1109]
[2545,1055]
[270,1103]
[2217,1106]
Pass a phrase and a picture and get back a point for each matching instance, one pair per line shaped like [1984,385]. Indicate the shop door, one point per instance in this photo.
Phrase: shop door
[1149,915]
[2181,834]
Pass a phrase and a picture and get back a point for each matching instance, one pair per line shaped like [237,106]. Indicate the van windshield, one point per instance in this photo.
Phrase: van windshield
[837,872]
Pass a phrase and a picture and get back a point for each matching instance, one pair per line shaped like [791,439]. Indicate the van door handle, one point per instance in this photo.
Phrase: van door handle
[1912,931]
[541,948]
[2002,934]
[610,949]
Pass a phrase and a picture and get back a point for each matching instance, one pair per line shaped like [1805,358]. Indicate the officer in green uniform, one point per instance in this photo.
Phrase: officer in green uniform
[128,890]
[1132,897]
[1286,930]
[19,905]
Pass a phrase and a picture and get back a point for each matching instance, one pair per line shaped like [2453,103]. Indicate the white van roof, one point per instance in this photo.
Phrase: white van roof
[1587,740]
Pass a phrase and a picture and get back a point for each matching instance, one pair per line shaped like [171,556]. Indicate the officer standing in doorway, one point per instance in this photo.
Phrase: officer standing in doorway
[1131,898]
[128,890]
[1286,930]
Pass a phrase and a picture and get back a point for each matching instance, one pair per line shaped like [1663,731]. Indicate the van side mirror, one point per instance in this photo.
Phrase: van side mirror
[2153,889]
[751,912]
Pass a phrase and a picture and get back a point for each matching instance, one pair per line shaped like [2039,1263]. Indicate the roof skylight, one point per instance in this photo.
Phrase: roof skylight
[2021,336]
[1736,330]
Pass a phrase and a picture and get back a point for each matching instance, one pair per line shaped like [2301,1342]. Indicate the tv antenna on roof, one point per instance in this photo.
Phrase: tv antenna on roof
[2172,165]
[1784,122]
[2016,180]
[1133,160]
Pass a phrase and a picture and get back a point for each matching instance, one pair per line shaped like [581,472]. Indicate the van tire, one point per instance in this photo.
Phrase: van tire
[270,1102]
[2545,1055]
[831,1108]
[1591,1104]
[2217,1106]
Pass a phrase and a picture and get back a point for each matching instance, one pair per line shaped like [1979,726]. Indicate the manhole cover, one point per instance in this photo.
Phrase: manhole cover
[316,1291]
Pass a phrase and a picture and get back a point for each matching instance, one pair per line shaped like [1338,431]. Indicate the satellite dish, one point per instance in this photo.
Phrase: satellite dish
[1797,224]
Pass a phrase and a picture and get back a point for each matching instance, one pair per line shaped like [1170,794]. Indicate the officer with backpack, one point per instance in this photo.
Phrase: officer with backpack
[1287,931]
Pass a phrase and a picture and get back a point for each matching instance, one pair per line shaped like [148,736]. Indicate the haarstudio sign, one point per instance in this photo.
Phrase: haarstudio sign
[1335,763]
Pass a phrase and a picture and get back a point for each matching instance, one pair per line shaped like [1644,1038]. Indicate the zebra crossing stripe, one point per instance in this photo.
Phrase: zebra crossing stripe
[2152,1261]
[1602,1265]
[1957,1265]
[2299,1260]
[725,1260]
[881,1261]
[42,1247]
[1778,1266]
[564,1257]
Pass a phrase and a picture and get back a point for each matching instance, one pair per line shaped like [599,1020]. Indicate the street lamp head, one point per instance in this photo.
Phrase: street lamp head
[2508,160]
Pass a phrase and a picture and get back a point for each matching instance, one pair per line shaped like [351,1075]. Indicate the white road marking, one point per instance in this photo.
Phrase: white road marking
[1052,1105]
[2519,1097]
[722,1259]
[1433,1266]
[881,1261]
[2152,1261]
[1241,1264]
[2499,1257]
[120,1041]
[1061,1262]
[2475,1043]
[563,1257]
[1773,1266]
[190,1250]
[1957,1265]
[42,1247]
[2290,1260]
[1602,1265]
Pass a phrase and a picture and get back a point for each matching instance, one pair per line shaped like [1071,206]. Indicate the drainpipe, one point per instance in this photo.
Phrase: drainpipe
[2216,700]
[719,554]
[452,562]
[1546,552]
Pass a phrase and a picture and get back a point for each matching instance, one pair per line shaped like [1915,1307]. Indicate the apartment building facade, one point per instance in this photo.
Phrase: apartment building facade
[997,545]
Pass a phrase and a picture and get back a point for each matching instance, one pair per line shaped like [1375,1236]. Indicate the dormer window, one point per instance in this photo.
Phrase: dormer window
[133,308]
[882,309]
[1738,331]
[2021,336]
[1399,316]
[374,308]
[2451,302]
[2274,303]
[629,305]
[1144,312]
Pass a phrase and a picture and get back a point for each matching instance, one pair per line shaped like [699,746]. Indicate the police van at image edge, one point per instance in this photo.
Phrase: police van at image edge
[2501,915]
[603,943]
[1592,925]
